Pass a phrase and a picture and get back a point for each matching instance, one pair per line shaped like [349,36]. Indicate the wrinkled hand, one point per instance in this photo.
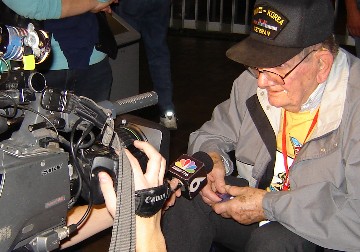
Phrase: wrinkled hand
[216,181]
[245,207]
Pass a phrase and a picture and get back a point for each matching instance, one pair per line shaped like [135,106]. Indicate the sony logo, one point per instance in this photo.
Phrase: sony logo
[51,169]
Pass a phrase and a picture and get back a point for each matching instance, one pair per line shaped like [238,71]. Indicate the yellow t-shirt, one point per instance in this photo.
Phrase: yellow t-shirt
[297,128]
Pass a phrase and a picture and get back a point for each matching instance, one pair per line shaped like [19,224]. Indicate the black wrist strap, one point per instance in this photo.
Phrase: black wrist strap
[149,201]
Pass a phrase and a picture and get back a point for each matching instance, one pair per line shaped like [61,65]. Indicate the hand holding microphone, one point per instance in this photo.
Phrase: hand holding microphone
[192,172]
[151,191]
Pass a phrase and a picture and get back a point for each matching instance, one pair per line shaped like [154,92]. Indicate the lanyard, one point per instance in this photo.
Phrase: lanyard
[286,185]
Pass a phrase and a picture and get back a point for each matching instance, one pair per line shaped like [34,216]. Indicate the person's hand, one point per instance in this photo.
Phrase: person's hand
[246,206]
[107,188]
[155,169]
[216,181]
[153,177]
[148,231]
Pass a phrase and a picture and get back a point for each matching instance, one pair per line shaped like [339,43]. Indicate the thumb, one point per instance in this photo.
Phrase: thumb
[107,189]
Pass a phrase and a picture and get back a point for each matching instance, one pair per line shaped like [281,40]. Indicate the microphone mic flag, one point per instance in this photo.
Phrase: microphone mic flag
[192,172]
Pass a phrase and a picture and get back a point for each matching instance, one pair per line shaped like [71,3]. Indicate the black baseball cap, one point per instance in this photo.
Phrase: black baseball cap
[280,29]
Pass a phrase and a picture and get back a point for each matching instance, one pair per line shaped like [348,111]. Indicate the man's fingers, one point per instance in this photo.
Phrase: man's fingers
[209,196]
[236,190]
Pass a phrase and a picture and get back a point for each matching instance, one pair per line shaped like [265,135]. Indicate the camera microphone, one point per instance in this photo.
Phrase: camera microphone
[132,103]
[192,172]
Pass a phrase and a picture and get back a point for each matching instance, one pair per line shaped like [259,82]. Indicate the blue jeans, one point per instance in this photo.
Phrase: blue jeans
[151,19]
[93,82]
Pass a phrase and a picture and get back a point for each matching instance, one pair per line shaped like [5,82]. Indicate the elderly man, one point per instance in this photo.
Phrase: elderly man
[293,121]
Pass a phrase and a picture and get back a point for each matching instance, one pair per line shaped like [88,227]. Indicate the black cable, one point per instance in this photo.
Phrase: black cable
[88,143]
[74,150]
[13,105]
[76,165]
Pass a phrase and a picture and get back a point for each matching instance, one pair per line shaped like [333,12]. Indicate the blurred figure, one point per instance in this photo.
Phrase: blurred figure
[353,22]
[151,19]
[74,63]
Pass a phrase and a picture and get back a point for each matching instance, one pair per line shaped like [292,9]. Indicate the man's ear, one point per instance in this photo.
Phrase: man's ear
[326,60]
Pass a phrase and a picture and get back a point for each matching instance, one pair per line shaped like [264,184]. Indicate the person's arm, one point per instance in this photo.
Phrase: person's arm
[149,237]
[221,134]
[72,8]
[55,9]
[148,231]
[98,220]
[36,9]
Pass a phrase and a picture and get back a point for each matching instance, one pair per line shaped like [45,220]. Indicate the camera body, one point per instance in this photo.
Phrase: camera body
[36,185]
[35,190]
[49,163]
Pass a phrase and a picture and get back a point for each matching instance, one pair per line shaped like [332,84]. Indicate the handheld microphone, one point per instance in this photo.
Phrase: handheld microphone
[192,172]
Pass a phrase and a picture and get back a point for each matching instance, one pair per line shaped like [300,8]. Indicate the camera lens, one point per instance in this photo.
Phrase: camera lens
[128,134]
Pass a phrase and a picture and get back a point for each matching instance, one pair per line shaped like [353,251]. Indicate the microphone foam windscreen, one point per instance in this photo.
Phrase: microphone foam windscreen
[206,159]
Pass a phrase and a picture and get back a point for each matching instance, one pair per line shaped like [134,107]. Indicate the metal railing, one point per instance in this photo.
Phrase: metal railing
[228,16]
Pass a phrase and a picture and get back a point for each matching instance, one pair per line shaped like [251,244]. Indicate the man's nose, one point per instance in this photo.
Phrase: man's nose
[264,82]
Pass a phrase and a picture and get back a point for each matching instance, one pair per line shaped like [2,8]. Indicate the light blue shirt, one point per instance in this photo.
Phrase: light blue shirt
[48,9]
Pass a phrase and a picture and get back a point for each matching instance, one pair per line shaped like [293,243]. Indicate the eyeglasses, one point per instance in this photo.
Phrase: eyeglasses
[275,77]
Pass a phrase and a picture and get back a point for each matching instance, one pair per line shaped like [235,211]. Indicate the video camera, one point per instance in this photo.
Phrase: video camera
[53,144]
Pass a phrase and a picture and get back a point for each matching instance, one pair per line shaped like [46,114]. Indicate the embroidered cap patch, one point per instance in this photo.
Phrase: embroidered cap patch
[267,21]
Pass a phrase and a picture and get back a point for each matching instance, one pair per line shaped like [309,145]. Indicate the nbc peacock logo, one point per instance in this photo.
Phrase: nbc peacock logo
[187,165]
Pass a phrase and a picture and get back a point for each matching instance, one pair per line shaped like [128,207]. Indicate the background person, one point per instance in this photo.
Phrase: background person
[74,63]
[292,121]
[353,21]
[151,19]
